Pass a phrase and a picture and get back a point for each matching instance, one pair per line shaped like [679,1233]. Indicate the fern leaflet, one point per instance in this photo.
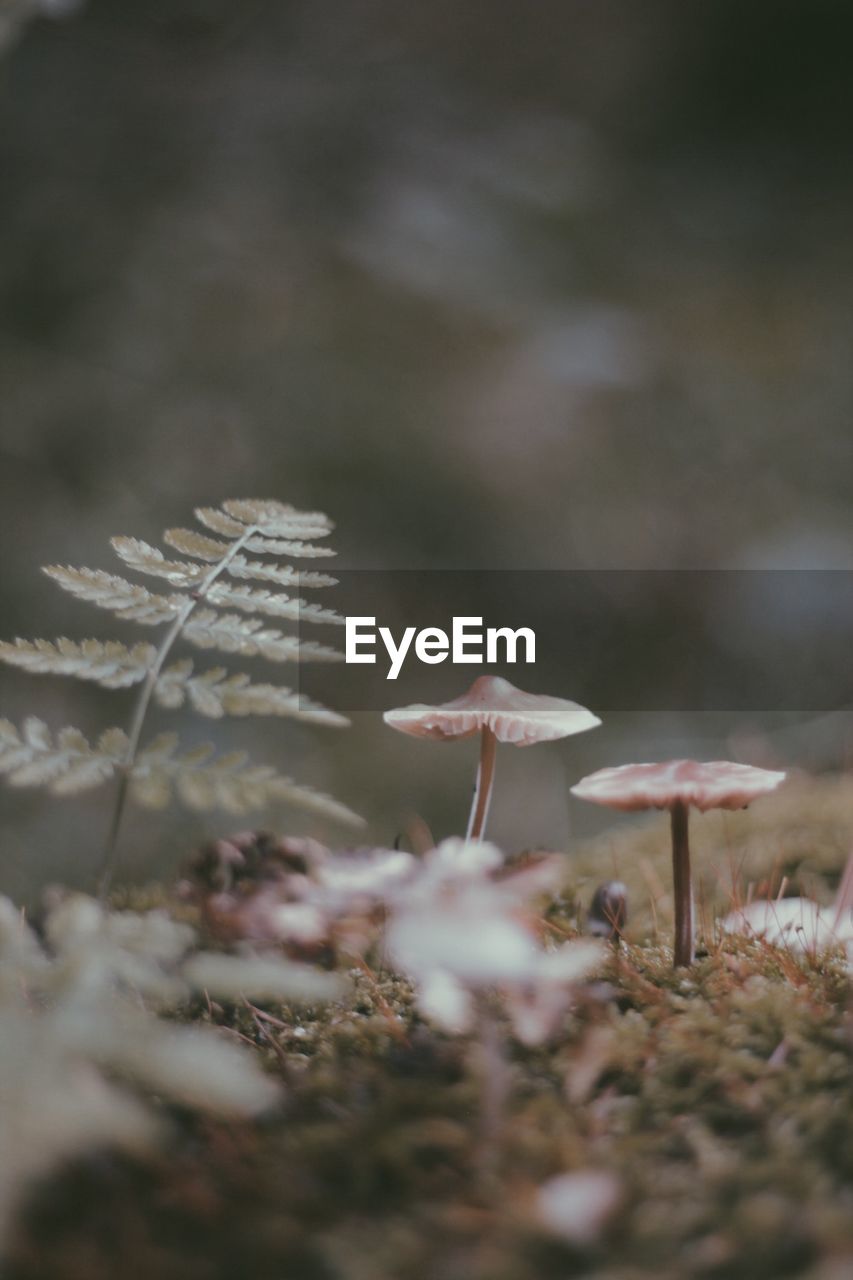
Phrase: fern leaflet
[67,762]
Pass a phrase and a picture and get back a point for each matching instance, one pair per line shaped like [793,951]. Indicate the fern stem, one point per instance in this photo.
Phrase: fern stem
[143,702]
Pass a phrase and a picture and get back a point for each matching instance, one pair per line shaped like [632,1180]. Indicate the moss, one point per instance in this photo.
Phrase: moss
[722,1100]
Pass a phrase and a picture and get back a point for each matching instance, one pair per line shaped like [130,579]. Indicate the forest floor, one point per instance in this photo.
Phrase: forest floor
[719,1101]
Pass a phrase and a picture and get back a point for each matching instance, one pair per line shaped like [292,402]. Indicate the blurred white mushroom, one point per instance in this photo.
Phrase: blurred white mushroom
[798,923]
[537,1002]
[444,1000]
[368,875]
[457,930]
[577,1206]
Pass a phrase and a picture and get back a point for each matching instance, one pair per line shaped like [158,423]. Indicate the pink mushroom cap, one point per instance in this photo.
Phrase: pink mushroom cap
[493,703]
[713,784]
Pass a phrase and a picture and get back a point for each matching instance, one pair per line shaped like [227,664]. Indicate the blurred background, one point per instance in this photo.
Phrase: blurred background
[497,285]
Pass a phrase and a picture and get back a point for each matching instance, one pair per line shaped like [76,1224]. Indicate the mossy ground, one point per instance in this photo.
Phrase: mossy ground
[721,1099]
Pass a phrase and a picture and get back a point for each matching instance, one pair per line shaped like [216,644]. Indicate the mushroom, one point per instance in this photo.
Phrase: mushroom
[499,712]
[458,929]
[608,911]
[799,923]
[676,785]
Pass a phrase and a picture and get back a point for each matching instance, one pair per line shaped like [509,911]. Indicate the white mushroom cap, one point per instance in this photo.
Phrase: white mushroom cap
[713,784]
[494,703]
[794,922]
[577,1206]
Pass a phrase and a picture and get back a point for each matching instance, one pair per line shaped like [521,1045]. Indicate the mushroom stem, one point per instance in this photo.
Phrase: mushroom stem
[683,890]
[483,785]
[493,1071]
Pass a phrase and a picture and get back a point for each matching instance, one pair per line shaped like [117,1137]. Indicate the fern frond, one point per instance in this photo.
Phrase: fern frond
[282,575]
[230,633]
[277,519]
[107,663]
[219,522]
[215,693]
[67,762]
[125,599]
[274,604]
[191,543]
[143,558]
[174,686]
[31,757]
[287,547]
[231,782]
